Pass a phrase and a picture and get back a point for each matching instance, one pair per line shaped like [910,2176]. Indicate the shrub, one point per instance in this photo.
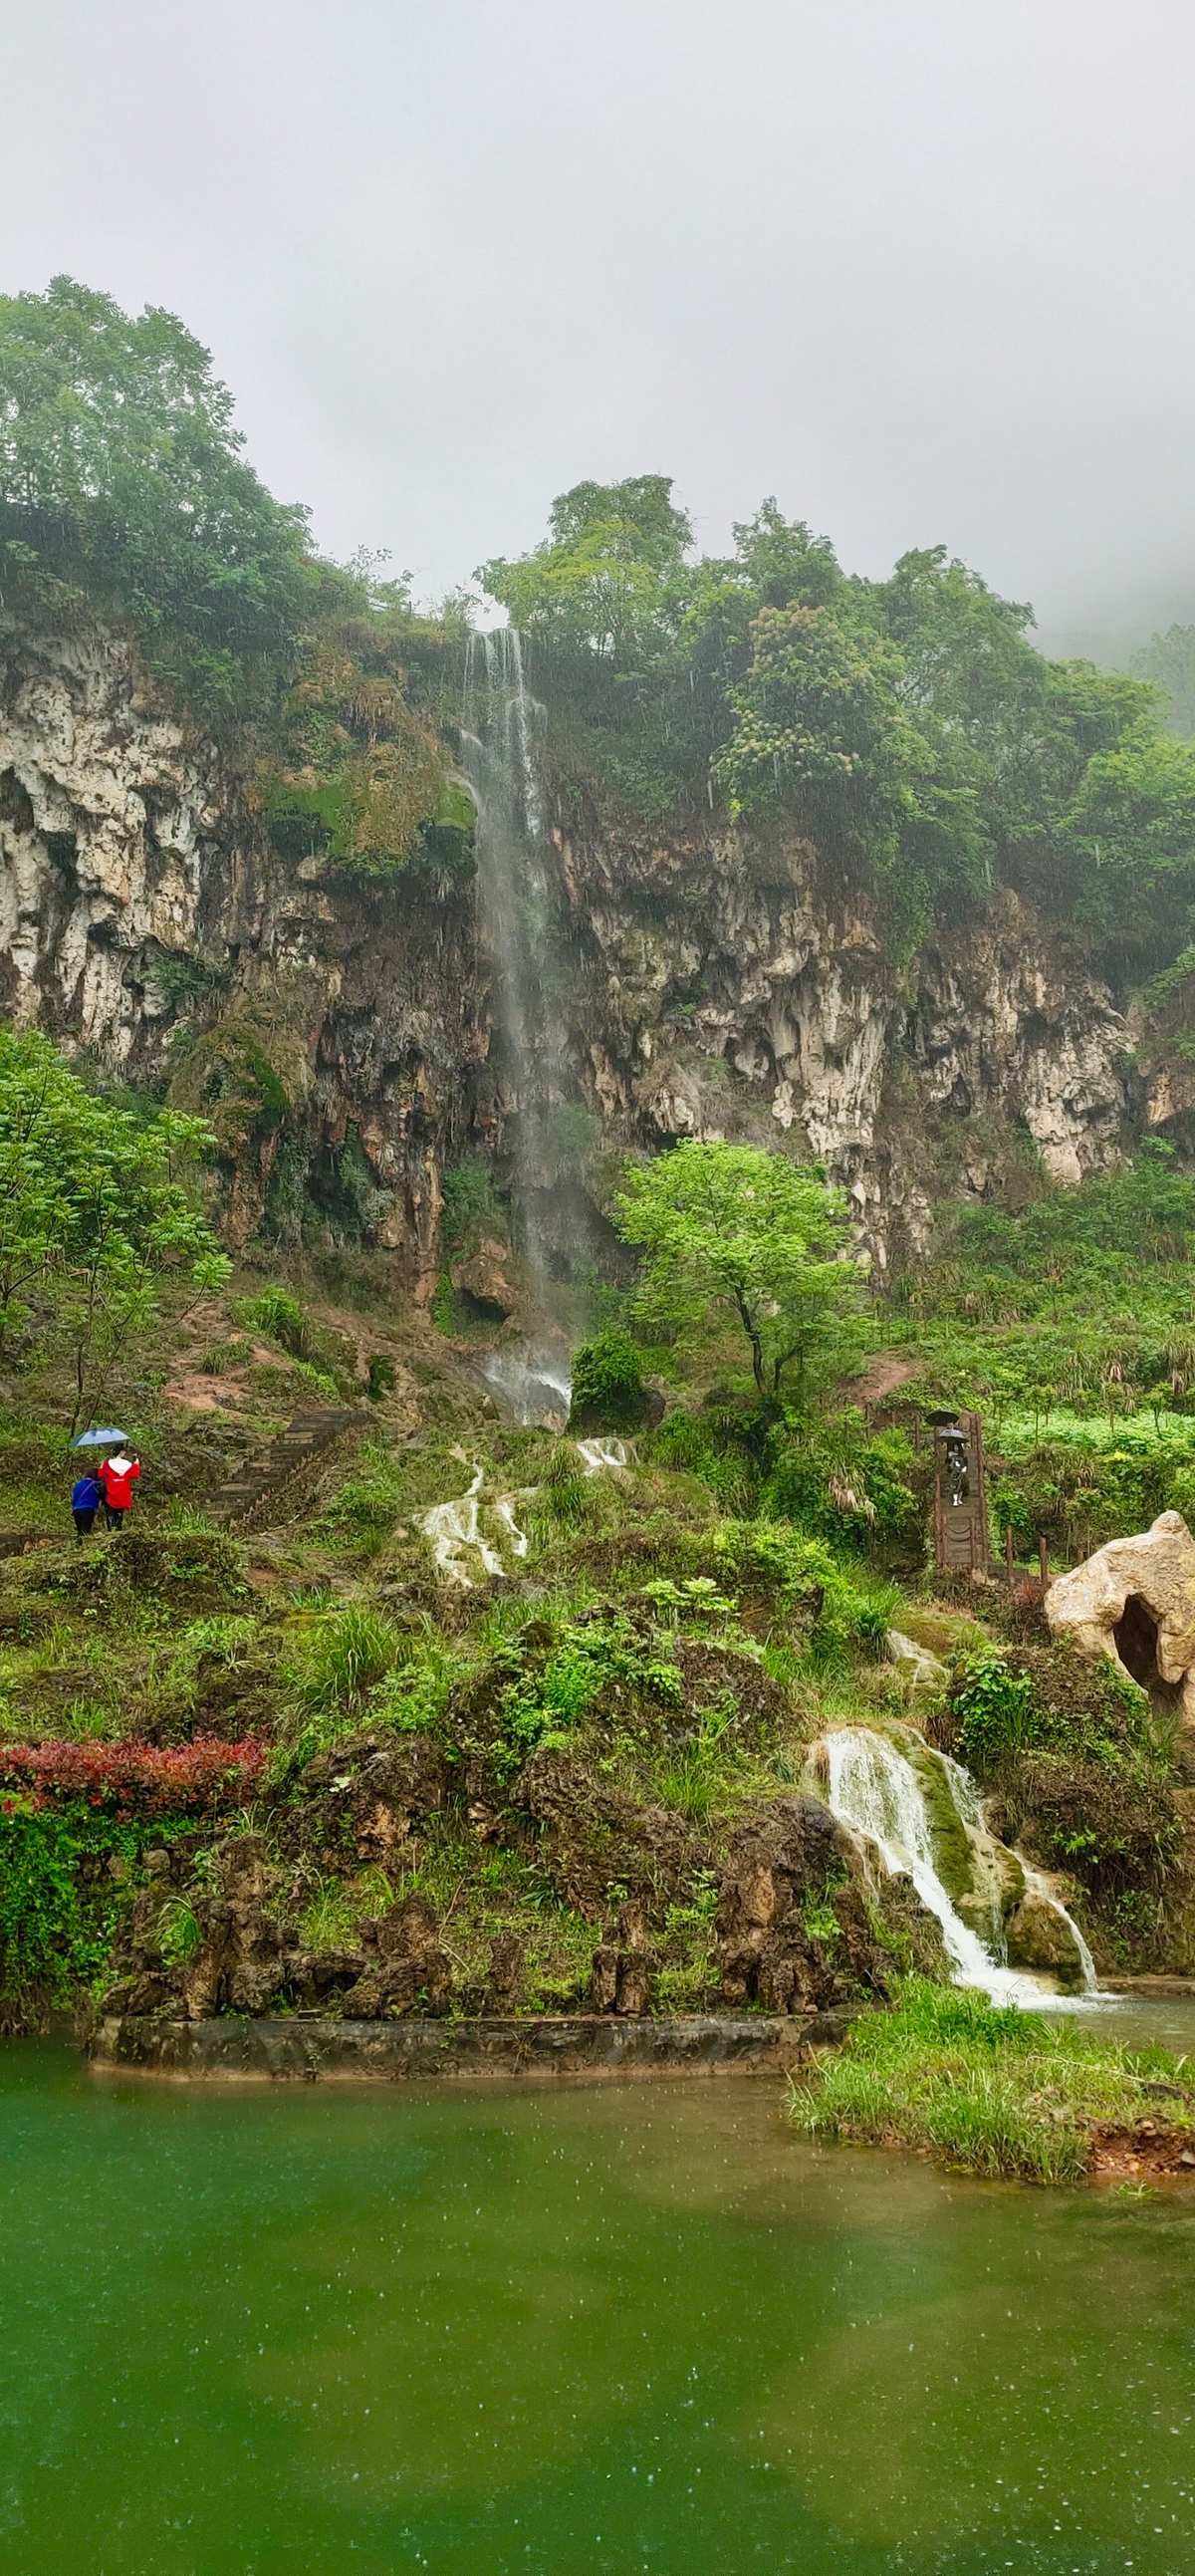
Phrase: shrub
[608,1393]
[127,1779]
[795,1575]
[41,1928]
[471,1204]
[995,1708]
[351,1651]
[275,1312]
[832,1478]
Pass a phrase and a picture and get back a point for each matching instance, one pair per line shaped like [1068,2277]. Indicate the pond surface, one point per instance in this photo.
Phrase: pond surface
[578,2332]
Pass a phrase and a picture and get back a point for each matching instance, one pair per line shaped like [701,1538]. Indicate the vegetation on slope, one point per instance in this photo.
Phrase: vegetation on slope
[989,2089]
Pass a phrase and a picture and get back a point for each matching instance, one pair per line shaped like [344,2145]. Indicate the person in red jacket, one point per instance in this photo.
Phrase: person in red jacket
[117,1478]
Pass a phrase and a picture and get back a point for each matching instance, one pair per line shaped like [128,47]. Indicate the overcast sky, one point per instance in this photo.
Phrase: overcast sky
[922,268]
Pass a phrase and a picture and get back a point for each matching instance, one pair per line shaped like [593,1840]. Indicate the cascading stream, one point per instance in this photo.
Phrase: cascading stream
[875,1791]
[457,1533]
[516,911]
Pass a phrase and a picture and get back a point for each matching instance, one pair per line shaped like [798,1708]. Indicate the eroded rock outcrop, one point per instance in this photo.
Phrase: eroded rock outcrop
[146,918]
[1134,1603]
[738,993]
[796,1927]
[716,988]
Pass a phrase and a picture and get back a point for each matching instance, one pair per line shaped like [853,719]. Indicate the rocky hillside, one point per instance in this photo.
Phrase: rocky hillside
[338,1034]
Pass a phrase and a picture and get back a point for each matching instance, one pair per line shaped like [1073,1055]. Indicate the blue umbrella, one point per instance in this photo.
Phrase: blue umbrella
[109,1439]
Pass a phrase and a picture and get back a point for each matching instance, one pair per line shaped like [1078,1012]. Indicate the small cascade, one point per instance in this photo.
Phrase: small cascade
[596,1455]
[922,1670]
[873,1789]
[532,1386]
[456,1535]
[458,1541]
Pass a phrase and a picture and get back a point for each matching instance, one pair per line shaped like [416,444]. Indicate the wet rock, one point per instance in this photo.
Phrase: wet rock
[1038,1937]
[315,1977]
[590,1838]
[484,1278]
[603,1977]
[407,1969]
[369,1796]
[794,1929]
[622,1978]
[507,1973]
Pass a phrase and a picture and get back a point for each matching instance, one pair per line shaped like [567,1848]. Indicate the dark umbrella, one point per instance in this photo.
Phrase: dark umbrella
[109,1439]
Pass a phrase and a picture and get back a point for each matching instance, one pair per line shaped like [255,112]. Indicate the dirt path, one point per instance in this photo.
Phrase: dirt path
[881,1378]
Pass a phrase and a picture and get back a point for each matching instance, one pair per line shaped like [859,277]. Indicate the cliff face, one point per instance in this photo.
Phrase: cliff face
[715,990]
[731,992]
[145,919]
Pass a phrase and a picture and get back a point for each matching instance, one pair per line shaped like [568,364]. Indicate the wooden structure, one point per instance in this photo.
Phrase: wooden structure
[960,1495]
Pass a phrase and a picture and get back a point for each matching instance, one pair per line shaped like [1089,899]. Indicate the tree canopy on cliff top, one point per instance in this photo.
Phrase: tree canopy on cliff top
[122,477]
[907,727]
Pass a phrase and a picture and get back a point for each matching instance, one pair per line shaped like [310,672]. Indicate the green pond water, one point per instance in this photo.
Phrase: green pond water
[570,2331]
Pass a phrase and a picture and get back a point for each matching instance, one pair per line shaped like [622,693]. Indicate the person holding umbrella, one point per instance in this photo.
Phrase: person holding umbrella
[113,1482]
[117,1478]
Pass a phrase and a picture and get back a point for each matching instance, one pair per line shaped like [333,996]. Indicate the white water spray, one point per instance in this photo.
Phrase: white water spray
[513,891]
[458,1541]
[598,1454]
[875,1791]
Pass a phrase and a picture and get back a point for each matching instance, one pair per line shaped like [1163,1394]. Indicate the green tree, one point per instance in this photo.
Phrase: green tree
[820,733]
[122,480]
[592,595]
[97,1214]
[1129,840]
[733,1229]
[1167,662]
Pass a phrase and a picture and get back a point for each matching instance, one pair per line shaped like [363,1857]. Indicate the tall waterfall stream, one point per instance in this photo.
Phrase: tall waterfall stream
[513,893]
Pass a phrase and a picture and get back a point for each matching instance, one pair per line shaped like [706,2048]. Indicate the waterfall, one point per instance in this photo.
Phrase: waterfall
[516,911]
[456,1533]
[875,1791]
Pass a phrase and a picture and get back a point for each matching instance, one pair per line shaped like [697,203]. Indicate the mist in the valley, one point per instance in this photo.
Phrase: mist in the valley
[920,269]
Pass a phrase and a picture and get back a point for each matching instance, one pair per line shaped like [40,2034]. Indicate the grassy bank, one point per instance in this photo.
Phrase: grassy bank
[988,2089]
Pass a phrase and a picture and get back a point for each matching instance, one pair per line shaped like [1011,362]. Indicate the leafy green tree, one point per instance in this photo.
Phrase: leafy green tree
[732,1229]
[122,480]
[592,594]
[1167,662]
[820,732]
[1129,838]
[97,1214]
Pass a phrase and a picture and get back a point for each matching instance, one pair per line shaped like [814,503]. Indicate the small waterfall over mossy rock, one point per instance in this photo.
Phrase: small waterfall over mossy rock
[888,1798]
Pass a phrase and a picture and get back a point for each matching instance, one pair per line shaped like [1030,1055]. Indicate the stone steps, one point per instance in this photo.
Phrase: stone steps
[263,1480]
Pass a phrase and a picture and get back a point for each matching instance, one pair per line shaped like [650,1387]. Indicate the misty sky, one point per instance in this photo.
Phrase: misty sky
[920,267]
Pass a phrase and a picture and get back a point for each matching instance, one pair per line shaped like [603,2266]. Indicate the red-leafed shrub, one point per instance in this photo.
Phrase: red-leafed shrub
[136,1779]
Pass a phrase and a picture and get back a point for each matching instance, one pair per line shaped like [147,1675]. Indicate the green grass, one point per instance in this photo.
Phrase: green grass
[985,2088]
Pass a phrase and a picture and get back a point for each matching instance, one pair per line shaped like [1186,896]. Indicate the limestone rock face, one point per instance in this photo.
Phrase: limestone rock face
[142,908]
[735,992]
[1134,1602]
[715,987]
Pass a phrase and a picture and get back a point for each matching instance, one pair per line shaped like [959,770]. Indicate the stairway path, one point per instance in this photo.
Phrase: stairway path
[264,1479]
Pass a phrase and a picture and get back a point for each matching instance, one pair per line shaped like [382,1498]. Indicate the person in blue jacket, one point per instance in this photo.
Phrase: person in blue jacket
[86,1498]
